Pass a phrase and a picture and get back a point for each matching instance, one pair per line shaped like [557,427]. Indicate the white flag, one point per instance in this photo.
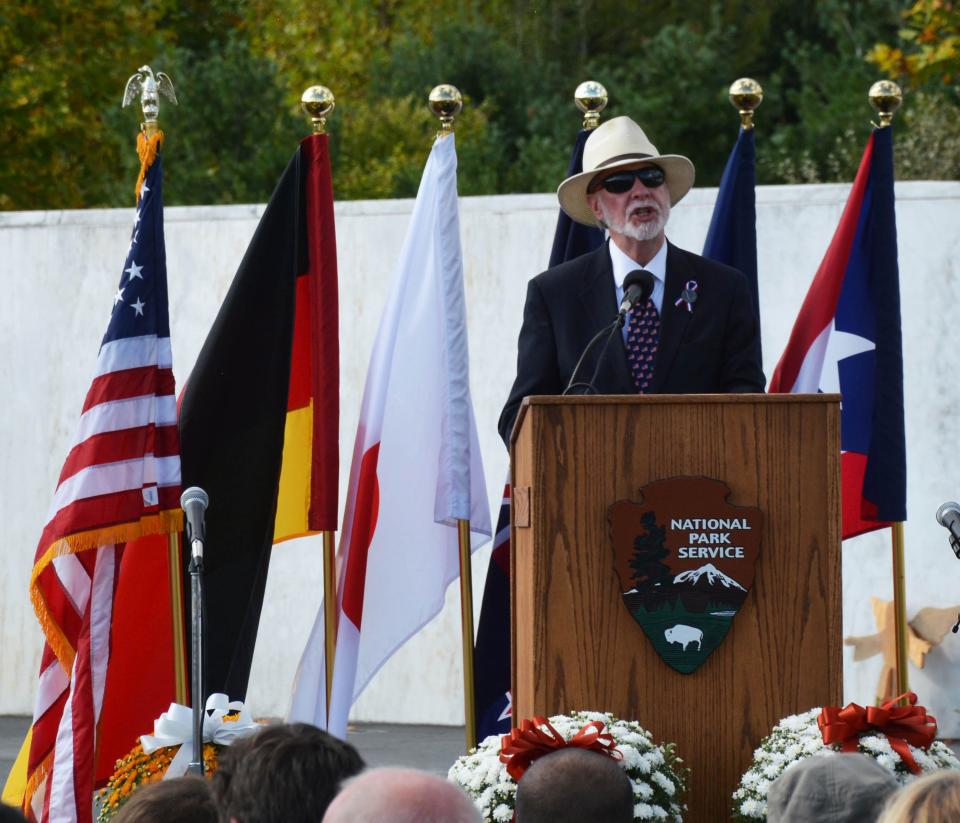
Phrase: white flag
[416,465]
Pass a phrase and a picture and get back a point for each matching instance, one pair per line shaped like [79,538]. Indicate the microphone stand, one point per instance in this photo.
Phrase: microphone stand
[638,285]
[196,654]
[615,327]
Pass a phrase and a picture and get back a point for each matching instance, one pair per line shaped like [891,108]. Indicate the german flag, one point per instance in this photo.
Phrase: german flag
[259,417]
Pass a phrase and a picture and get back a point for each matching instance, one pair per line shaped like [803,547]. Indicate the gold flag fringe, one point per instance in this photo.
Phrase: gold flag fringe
[147,148]
[164,522]
[34,779]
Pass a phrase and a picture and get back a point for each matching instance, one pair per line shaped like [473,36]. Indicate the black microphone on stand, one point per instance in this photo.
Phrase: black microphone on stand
[637,288]
[194,502]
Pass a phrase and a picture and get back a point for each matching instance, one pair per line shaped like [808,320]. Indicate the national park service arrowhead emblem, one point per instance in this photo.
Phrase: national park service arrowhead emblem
[685,558]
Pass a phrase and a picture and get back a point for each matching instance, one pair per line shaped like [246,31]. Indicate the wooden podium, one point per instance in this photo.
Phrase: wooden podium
[574,643]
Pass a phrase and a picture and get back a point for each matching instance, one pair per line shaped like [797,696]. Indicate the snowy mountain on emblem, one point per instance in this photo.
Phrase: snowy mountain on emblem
[714,577]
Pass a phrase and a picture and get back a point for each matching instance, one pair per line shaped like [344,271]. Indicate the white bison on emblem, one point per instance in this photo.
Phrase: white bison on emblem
[684,634]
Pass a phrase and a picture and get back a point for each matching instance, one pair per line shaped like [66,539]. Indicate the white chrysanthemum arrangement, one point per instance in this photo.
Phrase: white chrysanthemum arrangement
[799,736]
[658,775]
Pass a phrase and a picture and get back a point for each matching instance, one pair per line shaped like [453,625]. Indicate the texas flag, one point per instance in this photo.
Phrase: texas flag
[416,467]
[847,339]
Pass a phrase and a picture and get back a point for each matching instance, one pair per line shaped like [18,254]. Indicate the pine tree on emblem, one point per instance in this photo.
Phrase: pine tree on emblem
[650,575]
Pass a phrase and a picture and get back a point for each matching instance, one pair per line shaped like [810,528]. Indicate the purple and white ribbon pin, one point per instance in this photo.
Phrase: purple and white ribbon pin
[688,295]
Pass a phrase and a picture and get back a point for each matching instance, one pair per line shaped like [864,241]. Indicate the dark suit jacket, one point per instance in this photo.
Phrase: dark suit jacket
[713,349]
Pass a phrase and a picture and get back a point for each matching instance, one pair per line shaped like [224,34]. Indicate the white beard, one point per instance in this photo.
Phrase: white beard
[643,231]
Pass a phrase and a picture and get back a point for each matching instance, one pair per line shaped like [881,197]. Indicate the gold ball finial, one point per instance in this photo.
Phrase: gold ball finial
[591,98]
[445,103]
[318,102]
[745,96]
[885,97]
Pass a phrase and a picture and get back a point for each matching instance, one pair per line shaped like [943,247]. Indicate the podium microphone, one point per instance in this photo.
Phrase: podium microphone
[948,516]
[637,287]
[194,502]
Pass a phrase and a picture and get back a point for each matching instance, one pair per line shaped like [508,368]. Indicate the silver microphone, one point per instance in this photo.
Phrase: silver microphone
[948,516]
[194,502]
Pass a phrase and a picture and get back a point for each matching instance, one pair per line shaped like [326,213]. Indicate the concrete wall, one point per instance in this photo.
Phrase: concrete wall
[59,271]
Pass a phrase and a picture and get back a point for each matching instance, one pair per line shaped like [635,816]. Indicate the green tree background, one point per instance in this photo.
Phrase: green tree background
[239,68]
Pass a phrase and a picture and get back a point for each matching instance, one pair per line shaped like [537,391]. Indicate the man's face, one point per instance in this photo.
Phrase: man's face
[639,213]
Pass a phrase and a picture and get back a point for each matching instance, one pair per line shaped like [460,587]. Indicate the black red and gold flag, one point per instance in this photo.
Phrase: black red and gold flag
[259,417]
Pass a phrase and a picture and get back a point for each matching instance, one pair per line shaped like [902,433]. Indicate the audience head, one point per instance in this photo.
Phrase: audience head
[401,796]
[574,785]
[834,787]
[283,774]
[9,814]
[183,799]
[933,798]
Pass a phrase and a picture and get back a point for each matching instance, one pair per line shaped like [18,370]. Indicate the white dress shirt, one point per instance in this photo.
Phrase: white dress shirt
[623,265]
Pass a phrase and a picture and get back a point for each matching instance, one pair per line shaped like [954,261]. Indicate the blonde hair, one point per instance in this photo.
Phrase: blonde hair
[934,798]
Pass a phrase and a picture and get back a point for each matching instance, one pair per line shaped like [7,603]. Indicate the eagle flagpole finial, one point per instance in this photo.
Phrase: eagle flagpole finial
[149,87]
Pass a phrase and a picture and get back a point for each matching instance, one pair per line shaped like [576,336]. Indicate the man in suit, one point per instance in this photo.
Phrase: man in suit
[697,332]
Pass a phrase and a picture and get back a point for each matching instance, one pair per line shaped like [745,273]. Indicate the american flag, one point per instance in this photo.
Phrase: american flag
[120,481]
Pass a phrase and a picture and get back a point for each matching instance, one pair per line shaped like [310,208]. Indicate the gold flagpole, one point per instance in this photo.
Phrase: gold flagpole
[329,610]
[317,103]
[149,86]
[176,605]
[900,609]
[446,103]
[591,98]
[745,95]
[150,128]
[466,622]
[885,97]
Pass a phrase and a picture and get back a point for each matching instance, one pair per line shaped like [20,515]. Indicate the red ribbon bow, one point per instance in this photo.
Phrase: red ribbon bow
[535,738]
[901,725]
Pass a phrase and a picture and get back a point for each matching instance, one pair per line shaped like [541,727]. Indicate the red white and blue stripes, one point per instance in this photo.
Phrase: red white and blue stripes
[120,480]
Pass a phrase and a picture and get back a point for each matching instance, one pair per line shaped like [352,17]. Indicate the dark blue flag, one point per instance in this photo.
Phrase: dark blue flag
[492,652]
[572,239]
[732,236]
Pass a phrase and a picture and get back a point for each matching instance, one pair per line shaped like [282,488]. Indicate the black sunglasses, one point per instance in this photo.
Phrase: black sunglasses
[651,176]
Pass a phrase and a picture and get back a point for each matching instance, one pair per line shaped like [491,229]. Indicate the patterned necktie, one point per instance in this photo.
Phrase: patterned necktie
[643,334]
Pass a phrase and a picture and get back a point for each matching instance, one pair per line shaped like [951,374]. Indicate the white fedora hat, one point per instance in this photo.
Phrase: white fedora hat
[616,144]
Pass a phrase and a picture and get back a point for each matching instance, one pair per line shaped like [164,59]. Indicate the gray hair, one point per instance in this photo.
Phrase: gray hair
[393,795]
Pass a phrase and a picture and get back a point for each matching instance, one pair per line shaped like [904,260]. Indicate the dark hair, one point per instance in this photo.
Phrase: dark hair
[11,814]
[183,799]
[574,785]
[283,774]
